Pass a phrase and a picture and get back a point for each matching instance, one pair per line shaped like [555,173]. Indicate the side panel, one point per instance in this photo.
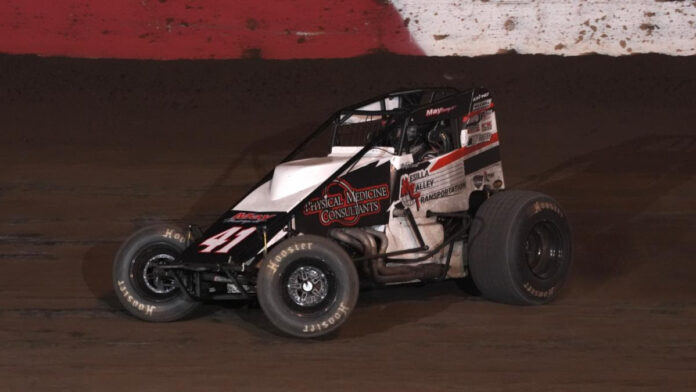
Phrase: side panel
[422,188]
[359,198]
[444,183]
[481,146]
[237,236]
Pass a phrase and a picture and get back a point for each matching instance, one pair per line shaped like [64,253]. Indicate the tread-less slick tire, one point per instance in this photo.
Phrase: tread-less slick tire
[144,290]
[307,286]
[520,248]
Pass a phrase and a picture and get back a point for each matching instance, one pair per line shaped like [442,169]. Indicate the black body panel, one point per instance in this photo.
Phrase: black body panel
[359,198]
[237,236]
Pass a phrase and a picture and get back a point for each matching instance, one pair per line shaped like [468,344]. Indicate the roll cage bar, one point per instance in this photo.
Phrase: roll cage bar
[412,100]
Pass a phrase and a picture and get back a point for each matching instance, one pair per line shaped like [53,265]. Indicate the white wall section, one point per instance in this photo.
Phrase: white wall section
[562,27]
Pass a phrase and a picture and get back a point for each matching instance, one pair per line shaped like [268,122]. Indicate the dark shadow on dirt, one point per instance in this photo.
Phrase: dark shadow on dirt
[381,309]
[613,200]
[255,322]
[96,272]
[378,310]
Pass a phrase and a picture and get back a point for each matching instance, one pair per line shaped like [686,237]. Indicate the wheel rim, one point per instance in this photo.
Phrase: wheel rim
[543,249]
[151,282]
[308,286]
[156,279]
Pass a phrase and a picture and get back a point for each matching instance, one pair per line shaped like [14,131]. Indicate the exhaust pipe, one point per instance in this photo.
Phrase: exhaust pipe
[354,243]
[366,241]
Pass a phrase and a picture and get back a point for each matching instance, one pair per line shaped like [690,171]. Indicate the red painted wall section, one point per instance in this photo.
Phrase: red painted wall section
[169,29]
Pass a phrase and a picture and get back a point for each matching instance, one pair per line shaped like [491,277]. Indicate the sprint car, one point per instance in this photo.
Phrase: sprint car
[405,187]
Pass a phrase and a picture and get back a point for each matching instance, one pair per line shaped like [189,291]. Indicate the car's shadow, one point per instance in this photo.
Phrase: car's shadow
[378,310]
[618,202]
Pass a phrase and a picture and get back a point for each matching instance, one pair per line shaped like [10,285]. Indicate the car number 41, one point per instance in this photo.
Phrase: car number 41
[226,240]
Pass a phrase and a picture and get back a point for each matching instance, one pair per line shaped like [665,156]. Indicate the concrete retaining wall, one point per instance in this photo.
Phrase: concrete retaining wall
[563,27]
[190,29]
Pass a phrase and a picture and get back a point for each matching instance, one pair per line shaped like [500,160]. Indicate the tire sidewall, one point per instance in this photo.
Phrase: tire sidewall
[282,260]
[128,292]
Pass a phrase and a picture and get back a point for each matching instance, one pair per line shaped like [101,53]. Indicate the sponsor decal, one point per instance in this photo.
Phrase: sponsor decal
[249,217]
[481,105]
[226,240]
[413,185]
[343,204]
[478,108]
[408,193]
[481,96]
[437,111]
[473,128]
[480,138]
[444,192]
[420,186]
[478,181]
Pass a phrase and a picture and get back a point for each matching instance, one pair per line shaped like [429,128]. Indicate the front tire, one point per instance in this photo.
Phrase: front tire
[520,248]
[142,288]
[307,286]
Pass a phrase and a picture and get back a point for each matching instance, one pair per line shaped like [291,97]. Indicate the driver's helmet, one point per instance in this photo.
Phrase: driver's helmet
[411,133]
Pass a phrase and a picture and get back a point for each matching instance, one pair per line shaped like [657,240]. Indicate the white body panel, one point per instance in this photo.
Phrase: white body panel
[293,181]
[292,177]
[439,189]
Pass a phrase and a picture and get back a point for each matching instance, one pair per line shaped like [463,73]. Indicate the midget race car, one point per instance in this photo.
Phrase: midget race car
[405,187]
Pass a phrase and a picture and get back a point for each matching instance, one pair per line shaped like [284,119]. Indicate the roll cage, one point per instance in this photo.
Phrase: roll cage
[412,104]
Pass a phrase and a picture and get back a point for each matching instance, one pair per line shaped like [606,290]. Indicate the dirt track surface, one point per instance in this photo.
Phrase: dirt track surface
[93,149]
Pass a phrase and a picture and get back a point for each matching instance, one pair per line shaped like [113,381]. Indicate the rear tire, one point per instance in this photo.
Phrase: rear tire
[520,248]
[307,286]
[144,290]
